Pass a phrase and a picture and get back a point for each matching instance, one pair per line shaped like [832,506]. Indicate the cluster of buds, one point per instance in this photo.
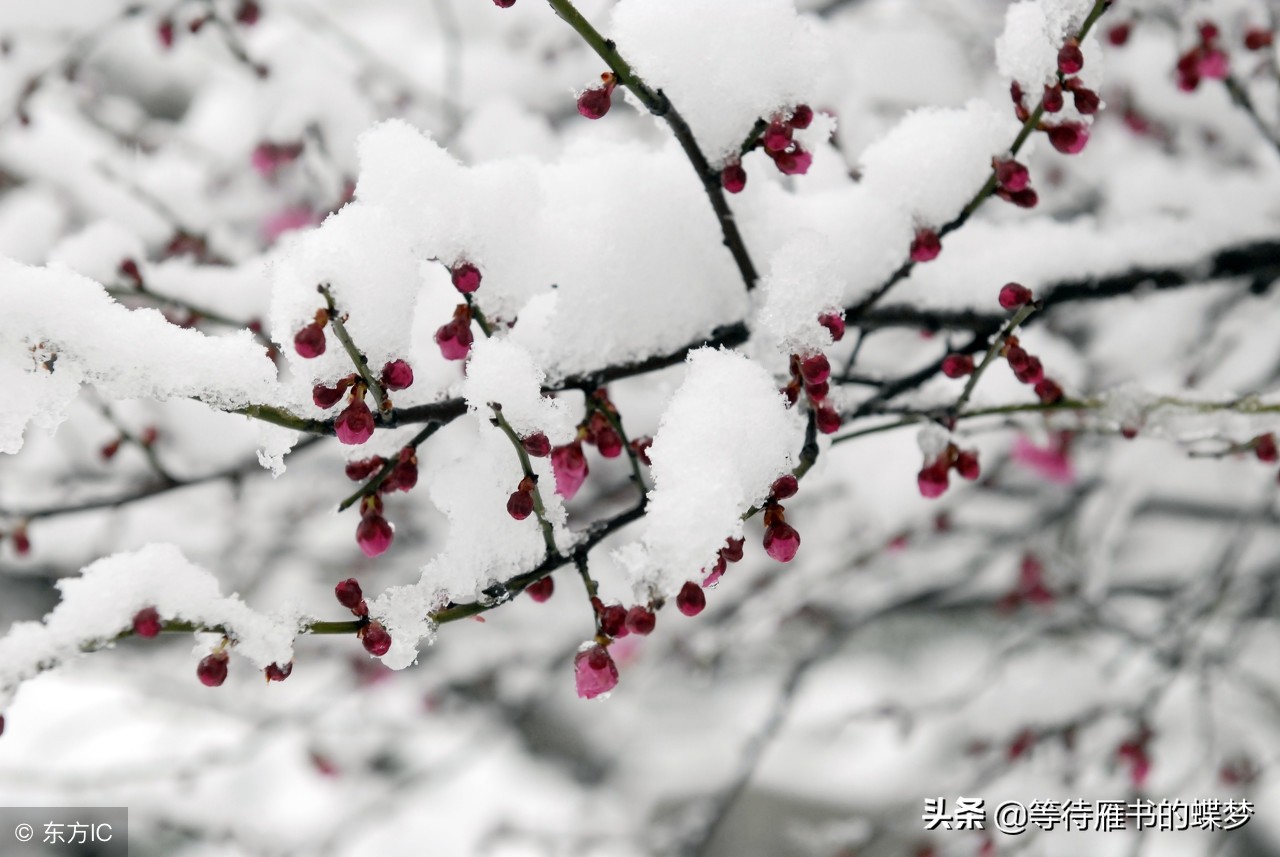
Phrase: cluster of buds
[373,636]
[778,142]
[570,462]
[374,534]
[781,541]
[811,374]
[594,670]
[935,477]
[454,337]
[1206,59]
[1067,137]
[731,552]
[403,475]
[247,13]
[1027,368]
[598,430]
[593,103]
[1013,183]
[1030,588]
[615,621]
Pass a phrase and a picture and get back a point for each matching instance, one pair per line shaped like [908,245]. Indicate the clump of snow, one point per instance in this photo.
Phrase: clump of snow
[101,603]
[405,612]
[767,59]
[500,371]
[1027,50]
[97,251]
[934,160]
[1034,30]
[932,440]
[484,546]
[362,255]
[802,282]
[60,330]
[722,441]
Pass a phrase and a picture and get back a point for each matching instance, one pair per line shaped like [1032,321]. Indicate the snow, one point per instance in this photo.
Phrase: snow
[934,160]
[802,283]
[102,601]
[500,371]
[724,439]
[124,353]
[768,59]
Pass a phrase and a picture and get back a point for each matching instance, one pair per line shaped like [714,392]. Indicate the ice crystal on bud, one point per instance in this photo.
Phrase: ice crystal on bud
[834,323]
[594,672]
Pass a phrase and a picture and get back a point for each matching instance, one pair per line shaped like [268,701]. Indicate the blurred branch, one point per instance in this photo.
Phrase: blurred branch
[1240,98]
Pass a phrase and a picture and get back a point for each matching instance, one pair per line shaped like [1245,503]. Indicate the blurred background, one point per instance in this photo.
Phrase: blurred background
[1095,619]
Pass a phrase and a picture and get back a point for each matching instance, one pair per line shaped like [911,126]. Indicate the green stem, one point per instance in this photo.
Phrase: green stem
[357,358]
[637,475]
[281,417]
[548,534]
[370,487]
[1019,317]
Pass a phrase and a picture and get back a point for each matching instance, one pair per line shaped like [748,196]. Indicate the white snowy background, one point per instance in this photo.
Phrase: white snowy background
[1095,617]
